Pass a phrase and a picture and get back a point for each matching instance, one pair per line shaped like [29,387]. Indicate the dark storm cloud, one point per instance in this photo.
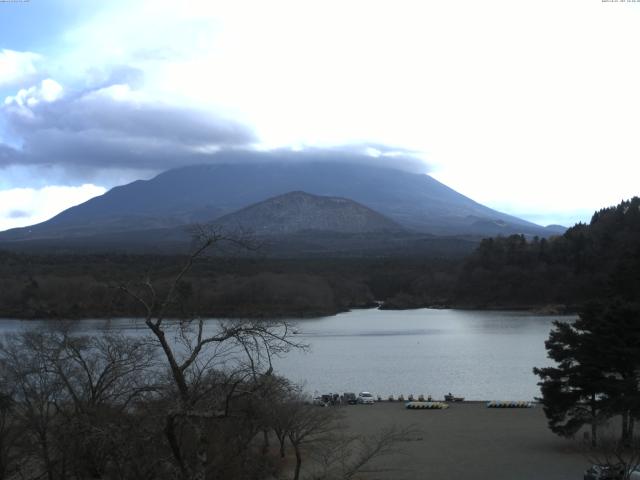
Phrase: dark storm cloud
[93,129]
[103,128]
[8,155]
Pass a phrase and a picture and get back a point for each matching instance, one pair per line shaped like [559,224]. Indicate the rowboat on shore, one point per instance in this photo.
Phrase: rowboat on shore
[510,404]
[450,398]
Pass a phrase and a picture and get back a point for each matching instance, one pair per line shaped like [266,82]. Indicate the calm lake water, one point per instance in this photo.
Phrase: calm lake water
[476,354]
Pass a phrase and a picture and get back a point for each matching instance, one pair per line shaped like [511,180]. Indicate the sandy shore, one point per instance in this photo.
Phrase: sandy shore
[470,441]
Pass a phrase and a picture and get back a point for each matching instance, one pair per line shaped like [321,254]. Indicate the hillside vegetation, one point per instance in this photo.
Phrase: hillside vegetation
[80,286]
[588,261]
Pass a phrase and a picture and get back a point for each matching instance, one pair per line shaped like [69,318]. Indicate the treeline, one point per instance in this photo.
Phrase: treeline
[81,286]
[594,379]
[601,259]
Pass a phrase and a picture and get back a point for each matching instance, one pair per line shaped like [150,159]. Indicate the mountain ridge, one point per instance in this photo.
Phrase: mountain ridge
[205,193]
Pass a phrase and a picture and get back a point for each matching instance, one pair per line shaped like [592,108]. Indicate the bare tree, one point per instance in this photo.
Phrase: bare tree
[279,413]
[616,455]
[71,393]
[37,393]
[334,454]
[102,376]
[10,435]
[308,424]
[193,349]
[110,369]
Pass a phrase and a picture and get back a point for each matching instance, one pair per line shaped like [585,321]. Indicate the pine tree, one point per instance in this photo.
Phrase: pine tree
[573,393]
[616,326]
[598,370]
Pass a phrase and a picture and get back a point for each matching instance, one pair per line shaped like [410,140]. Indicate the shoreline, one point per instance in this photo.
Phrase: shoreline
[532,309]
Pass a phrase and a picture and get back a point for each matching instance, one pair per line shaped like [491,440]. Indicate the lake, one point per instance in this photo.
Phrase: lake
[481,355]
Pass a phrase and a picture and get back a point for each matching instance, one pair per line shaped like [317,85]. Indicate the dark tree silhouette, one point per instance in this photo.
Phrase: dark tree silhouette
[597,372]
[211,366]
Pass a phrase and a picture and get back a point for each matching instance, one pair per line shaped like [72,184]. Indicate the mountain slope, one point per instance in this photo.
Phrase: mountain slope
[206,192]
[296,212]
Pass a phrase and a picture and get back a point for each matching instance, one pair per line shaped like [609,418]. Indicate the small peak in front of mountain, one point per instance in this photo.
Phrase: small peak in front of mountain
[299,211]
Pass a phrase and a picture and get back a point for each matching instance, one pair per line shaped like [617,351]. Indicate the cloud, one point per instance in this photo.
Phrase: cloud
[16,67]
[27,98]
[358,154]
[110,126]
[18,214]
[113,125]
[20,207]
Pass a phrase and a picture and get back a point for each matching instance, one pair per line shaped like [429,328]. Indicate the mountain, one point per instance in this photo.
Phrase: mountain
[553,230]
[299,212]
[204,193]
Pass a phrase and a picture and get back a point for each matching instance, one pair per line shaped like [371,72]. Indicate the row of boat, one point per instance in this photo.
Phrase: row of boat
[510,404]
[422,405]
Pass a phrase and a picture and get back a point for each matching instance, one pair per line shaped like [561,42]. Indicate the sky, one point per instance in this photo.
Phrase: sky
[531,108]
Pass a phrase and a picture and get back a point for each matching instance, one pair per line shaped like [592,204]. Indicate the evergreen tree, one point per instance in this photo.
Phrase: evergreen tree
[616,328]
[597,372]
[573,393]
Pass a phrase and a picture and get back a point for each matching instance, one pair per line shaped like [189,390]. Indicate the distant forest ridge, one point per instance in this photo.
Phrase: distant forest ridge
[588,261]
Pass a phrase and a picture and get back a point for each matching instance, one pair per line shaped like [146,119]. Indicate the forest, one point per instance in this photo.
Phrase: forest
[599,259]
[513,272]
[80,286]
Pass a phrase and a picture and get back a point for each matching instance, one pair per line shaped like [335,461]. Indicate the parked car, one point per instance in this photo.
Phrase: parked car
[349,398]
[318,400]
[323,400]
[365,398]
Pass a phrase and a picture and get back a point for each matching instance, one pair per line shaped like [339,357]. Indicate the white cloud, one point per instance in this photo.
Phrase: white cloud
[26,99]
[20,207]
[48,91]
[16,67]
